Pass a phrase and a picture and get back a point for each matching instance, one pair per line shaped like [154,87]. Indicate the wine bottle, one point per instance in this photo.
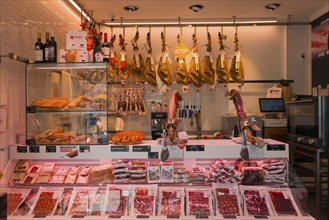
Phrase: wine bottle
[106,49]
[38,49]
[52,49]
[46,48]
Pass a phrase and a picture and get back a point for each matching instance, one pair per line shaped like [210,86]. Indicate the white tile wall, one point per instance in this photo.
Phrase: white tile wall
[20,22]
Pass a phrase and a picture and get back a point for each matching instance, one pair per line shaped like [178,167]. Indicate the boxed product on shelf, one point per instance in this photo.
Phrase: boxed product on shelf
[22,166]
[199,201]
[153,172]
[228,200]
[283,202]
[121,171]
[63,202]
[76,40]
[62,171]
[143,201]
[30,178]
[16,178]
[15,197]
[25,207]
[36,168]
[171,201]
[47,168]
[137,170]
[81,201]
[116,200]
[256,201]
[79,56]
[43,178]
[167,172]
[57,179]
[46,201]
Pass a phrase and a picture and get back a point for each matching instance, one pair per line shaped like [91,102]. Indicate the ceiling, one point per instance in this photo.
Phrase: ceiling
[300,11]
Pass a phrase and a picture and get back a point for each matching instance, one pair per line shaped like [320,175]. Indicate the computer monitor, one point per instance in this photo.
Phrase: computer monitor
[271,105]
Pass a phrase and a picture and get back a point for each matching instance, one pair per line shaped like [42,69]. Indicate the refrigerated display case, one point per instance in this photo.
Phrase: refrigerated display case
[66,103]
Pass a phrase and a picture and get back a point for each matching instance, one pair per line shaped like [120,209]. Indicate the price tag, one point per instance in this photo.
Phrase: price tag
[229,216]
[84,149]
[21,149]
[143,216]
[261,216]
[194,147]
[172,216]
[276,147]
[31,142]
[50,149]
[31,109]
[153,155]
[77,216]
[115,216]
[34,149]
[255,152]
[145,148]
[40,216]
[119,148]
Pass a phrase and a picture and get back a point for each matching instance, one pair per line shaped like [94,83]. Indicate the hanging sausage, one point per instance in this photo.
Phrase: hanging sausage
[164,68]
[221,63]
[194,74]
[236,70]
[138,62]
[207,70]
[150,73]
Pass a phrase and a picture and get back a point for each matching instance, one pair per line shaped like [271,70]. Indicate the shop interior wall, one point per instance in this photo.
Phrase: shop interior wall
[264,53]
[20,22]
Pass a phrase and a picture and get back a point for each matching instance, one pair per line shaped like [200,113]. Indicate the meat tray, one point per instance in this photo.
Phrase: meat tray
[116,200]
[26,205]
[46,201]
[81,201]
[143,200]
[171,201]
[228,200]
[199,202]
[283,202]
[15,198]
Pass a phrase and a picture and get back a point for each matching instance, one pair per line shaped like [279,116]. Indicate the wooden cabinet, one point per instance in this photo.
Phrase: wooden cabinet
[276,133]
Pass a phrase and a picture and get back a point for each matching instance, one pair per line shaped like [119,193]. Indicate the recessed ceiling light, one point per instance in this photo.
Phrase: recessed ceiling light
[196,8]
[272,6]
[130,8]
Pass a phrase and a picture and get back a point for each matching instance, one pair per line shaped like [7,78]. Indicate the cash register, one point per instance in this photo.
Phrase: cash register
[274,120]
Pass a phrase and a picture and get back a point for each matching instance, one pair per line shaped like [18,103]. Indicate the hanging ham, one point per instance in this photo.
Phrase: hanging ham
[150,73]
[124,68]
[221,63]
[181,73]
[236,70]
[194,74]
[164,68]
[113,67]
[207,70]
[138,62]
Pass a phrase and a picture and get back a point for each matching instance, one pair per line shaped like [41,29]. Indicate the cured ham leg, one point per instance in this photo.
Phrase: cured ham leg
[194,74]
[138,62]
[150,73]
[113,67]
[221,62]
[124,68]
[164,68]
[181,73]
[207,70]
[237,70]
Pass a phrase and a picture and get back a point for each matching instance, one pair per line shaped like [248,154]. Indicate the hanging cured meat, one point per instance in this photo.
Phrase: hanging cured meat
[138,62]
[221,63]
[164,69]
[181,73]
[150,73]
[236,70]
[113,67]
[124,68]
[207,70]
[194,68]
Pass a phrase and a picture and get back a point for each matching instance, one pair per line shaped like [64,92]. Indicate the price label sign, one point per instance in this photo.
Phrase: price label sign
[141,148]
[50,149]
[31,142]
[153,155]
[194,147]
[31,109]
[21,149]
[84,149]
[34,149]
[119,148]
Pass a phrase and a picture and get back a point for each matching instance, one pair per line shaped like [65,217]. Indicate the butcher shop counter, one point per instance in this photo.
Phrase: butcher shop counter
[213,148]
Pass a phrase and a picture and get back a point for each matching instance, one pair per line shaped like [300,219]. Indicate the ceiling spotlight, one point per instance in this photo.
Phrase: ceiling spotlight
[272,6]
[196,8]
[130,8]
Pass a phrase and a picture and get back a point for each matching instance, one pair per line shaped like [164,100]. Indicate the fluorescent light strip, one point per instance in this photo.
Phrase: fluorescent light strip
[79,9]
[190,22]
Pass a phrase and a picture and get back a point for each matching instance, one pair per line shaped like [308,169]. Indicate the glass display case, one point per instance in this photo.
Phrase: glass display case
[66,103]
